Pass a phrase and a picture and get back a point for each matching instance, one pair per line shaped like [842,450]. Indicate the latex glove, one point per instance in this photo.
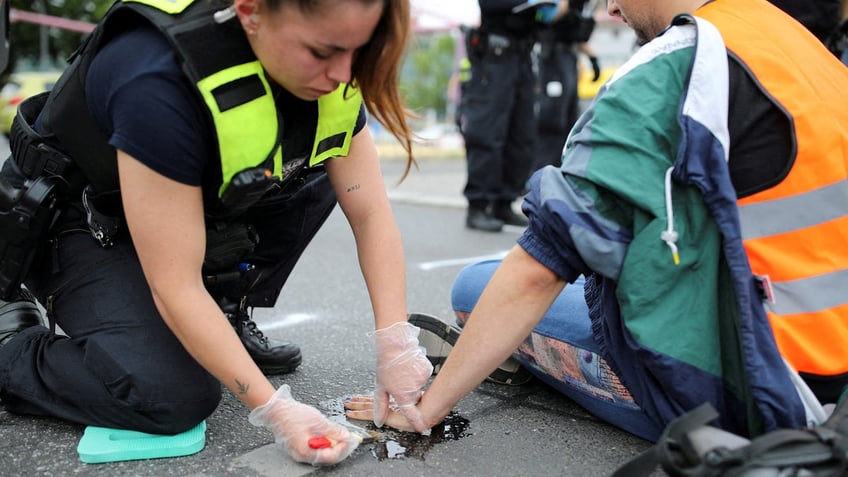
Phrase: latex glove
[596,68]
[402,371]
[294,424]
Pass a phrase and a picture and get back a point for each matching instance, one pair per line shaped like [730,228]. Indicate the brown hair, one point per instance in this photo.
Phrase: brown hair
[376,67]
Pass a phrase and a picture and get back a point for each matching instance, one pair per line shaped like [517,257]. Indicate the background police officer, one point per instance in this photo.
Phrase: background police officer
[559,45]
[497,120]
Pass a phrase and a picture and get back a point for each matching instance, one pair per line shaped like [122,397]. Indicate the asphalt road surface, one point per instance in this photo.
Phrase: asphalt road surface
[324,308]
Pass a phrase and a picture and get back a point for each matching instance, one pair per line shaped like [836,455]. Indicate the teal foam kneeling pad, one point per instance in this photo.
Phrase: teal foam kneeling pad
[103,444]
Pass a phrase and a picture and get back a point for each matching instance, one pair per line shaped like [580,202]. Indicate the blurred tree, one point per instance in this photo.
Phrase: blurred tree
[427,71]
[424,79]
[25,38]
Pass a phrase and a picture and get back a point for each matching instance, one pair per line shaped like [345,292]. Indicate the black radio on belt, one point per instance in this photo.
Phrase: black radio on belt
[246,188]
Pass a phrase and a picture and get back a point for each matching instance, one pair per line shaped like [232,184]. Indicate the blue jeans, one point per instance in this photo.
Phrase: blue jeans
[562,352]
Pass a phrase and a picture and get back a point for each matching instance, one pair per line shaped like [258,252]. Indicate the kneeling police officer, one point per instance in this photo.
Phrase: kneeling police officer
[168,184]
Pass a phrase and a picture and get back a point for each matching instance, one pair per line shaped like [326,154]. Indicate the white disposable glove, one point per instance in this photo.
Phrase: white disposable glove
[402,371]
[294,424]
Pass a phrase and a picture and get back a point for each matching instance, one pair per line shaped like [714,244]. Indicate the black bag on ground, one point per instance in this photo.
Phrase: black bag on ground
[691,448]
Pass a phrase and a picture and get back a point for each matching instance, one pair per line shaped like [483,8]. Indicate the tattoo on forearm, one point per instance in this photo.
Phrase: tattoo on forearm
[353,188]
[242,387]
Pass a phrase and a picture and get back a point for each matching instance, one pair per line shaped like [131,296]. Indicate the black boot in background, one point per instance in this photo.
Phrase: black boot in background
[502,210]
[479,217]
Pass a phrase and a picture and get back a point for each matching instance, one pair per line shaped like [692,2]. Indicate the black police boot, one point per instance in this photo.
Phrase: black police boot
[18,315]
[272,356]
[502,210]
[479,218]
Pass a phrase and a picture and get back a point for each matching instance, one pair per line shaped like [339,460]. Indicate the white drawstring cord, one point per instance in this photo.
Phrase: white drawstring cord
[669,235]
[225,15]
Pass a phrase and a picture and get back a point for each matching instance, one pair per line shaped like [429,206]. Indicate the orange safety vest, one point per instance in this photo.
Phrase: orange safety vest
[796,232]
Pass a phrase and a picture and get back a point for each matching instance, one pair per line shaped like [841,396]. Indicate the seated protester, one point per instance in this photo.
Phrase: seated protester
[702,208]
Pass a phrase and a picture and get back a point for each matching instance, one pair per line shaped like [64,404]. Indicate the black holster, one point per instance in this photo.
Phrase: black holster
[26,214]
[33,191]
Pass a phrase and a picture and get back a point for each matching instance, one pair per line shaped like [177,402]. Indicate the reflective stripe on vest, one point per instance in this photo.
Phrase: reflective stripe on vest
[236,154]
[337,117]
[244,112]
[335,131]
[796,232]
[172,7]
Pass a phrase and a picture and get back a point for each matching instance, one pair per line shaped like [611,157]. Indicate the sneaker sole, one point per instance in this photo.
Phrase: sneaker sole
[510,373]
[438,339]
[436,336]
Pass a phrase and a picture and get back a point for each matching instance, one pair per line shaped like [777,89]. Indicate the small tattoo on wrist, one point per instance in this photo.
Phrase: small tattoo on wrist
[242,387]
[353,188]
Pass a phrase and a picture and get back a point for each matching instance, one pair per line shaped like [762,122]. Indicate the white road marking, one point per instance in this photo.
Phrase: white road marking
[289,319]
[460,261]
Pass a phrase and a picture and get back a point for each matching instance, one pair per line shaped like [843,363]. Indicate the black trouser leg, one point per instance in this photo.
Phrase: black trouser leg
[121,366]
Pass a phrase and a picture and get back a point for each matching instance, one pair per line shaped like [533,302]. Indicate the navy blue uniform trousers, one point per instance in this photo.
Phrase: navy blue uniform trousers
[498,123]
[558,100]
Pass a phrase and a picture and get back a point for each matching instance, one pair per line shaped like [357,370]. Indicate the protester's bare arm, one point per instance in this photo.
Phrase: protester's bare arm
[514,301]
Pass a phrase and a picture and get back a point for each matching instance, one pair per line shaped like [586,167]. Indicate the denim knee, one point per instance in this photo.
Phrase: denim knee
[469,284]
